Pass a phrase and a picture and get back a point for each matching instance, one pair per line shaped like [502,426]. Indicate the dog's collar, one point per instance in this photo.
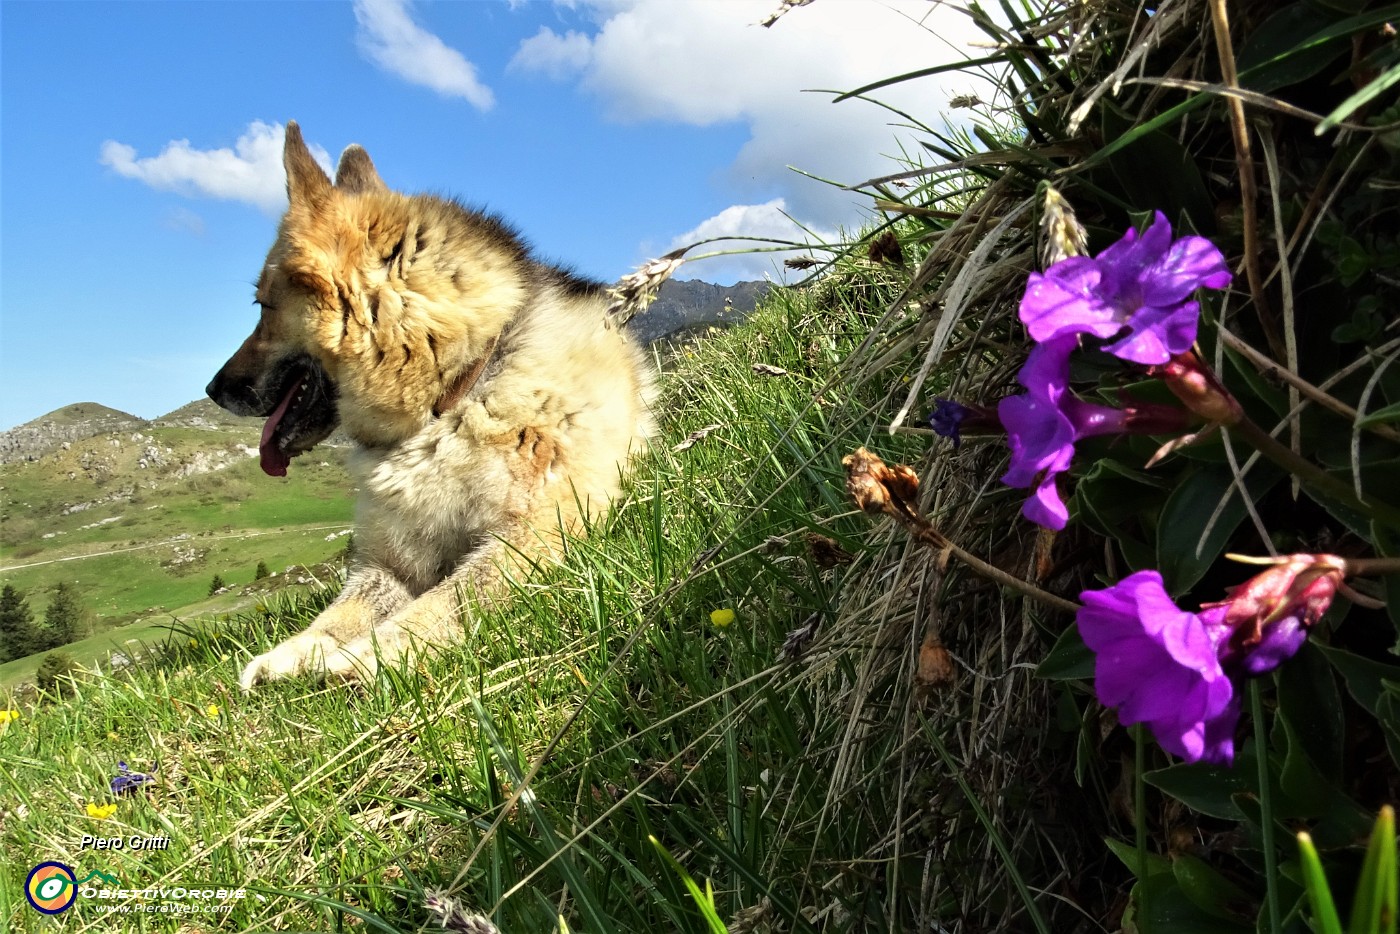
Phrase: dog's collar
[463,384]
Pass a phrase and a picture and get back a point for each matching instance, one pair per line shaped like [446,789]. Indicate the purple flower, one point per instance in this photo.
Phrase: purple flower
[1142,283]
[1159,665]
[947,418]
[1043,425]
[951,419]
[128,781]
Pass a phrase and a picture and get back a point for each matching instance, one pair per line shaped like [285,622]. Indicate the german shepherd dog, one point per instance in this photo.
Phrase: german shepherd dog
[491,409]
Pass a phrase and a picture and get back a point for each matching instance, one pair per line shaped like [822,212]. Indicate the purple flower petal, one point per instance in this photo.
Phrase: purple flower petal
[1044,507]
[947,419]
[1068,299]
[1142,283]
[1158,665]
[1158,334]
[1187,265]
[1280,641]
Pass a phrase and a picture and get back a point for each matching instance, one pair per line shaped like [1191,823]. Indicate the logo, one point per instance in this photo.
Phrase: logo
[51,888]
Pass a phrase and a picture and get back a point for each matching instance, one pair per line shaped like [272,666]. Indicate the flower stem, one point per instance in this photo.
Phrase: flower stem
[1266,806]
[1140,816]
[1370,566]
[1310,473]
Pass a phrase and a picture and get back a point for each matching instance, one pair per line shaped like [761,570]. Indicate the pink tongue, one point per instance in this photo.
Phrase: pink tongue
[274,461]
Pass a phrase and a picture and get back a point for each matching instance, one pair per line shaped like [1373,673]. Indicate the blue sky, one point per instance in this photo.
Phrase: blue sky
[141,177]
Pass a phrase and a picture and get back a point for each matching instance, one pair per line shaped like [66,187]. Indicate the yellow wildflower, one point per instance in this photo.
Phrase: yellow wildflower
[100,811]
[212,710]
[722,618]
[7,716]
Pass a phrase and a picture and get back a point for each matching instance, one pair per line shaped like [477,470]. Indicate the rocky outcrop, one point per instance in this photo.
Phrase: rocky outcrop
[47,433]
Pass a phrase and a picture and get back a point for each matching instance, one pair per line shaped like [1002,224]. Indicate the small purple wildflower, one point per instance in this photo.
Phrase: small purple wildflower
[947,418]
[128,781]
[1043,425]
[1159,665]
[1142,283]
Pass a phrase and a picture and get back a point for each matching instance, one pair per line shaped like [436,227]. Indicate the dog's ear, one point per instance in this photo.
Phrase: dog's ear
[356,173]
[306,183]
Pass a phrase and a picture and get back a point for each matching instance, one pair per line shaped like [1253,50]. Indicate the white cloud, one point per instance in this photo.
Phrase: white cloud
[703,63]
[556,56]
[769,220]
[250,172]
[389,37]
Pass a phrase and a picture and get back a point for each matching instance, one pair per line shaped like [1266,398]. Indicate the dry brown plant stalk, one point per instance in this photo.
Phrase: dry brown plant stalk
[877,488]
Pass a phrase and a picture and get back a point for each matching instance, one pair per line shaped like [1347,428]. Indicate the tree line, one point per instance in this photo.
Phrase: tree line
[21,634]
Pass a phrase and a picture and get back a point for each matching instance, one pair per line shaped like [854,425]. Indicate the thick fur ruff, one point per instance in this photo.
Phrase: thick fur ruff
[491,409]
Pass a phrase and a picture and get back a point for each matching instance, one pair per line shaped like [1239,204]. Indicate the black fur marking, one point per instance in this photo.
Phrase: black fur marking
[407,356]
[395,253]
[419,244]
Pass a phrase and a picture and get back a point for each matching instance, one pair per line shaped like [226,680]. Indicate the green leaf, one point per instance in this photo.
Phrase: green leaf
[1324,908]
[1207,788]
[1211,892]
[1128,855]
[1376,890]
[705,900]
[1273,55]
[1312,706]
[1069,659]
[1185,546]
[1113,500]
[1161,907]
[1390,413]
[1372,90]
[1157,170]
[1363,676]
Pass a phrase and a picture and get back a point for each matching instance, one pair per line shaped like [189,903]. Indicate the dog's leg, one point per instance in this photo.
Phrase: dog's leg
[370,595]
[443,615]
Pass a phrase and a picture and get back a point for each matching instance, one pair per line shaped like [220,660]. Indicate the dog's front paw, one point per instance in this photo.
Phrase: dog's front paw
[354,661]
[303,652]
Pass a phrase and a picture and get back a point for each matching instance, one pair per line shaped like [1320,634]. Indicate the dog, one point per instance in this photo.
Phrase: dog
[492,412]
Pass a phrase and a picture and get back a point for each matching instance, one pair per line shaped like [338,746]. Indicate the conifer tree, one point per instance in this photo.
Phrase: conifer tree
[63,618]
[17,634]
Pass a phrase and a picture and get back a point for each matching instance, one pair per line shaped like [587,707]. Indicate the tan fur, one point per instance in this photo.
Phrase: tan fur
[396,297]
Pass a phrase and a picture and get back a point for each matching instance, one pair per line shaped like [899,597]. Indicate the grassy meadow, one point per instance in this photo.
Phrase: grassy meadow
[611,682]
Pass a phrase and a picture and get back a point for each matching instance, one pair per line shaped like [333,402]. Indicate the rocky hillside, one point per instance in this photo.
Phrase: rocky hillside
[46,433]
[688,304]
[203,413]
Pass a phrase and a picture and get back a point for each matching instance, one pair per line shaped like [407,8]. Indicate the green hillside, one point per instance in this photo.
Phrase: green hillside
[141,520]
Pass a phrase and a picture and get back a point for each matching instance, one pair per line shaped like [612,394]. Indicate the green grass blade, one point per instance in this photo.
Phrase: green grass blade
[1372,90]
[1325,915]
[705,900]
[1376,890]
[583,895]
